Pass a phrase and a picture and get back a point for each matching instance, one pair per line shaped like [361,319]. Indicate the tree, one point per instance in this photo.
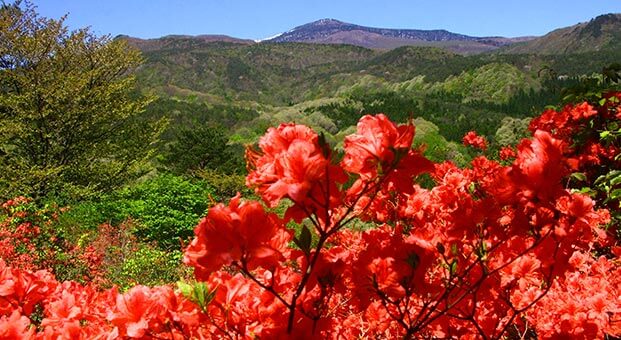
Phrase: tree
[70,120]
[200,147]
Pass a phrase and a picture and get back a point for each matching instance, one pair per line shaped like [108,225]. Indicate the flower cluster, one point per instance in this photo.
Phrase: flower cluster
[241,233]
[474,140]
[28,240]
[583,304]
[486,251]
[70,310]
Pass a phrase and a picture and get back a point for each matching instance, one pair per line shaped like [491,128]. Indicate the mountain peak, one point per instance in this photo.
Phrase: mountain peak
[332,31]
[607,18]
[326,22]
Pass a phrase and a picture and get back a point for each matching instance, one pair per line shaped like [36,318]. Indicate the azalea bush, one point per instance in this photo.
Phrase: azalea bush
[29,239]
[500,248]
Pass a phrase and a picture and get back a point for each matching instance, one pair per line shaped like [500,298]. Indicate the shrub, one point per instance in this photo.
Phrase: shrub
[150,266]
[30,240]
[224,186]
[164,209]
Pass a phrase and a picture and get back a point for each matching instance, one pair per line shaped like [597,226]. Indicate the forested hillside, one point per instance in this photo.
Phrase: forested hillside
[248,87]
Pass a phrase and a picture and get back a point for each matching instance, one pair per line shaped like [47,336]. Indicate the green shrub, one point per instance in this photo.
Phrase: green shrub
[224,186]
[150,266]
[165,209]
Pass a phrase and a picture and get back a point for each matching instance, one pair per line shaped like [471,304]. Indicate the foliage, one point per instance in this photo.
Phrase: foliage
[493,82]
[164,209]
[31,239]
[188,111]
[436,147]
[167,207]
[149,266]
[70,122]
[228,72]
[126,261]
[511,131]
[224,186]
[594,87]
[202,147]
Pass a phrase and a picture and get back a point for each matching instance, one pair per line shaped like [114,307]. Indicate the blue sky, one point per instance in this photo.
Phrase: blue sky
[256,19]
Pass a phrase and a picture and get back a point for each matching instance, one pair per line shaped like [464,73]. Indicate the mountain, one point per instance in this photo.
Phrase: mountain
[330,31]
[276,72]
[175,40]
[602,33]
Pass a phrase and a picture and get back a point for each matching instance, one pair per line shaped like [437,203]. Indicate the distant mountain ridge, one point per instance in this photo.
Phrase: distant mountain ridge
[331,31]
[599,34]
[602,33]
[325,27]
[173,40]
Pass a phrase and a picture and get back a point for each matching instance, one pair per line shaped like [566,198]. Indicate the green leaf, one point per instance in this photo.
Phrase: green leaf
[585,190]
[304,240]
[615,181]
[198,293]
[453,266]
[185,289]
[579,176]
[202,294]
[472,188]
[615,194]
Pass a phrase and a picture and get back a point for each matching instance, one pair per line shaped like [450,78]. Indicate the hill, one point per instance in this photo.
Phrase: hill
[602,33]
[177,41]
[247,86]
[269,73]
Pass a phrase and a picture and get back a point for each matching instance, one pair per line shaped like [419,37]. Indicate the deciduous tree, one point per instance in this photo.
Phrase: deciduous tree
[69,115]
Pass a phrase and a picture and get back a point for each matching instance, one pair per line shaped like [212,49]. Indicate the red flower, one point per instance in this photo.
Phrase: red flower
[132,313]
[506,152]
[539,166]
[472,139]
[242,232]
[582,111]
[289,164]
[375,146]
[16,326]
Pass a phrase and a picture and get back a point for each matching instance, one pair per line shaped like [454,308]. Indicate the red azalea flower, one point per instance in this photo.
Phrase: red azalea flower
[289,163]
[375,146]
[472,139]
[16,326]
[242,231]
[507,152]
